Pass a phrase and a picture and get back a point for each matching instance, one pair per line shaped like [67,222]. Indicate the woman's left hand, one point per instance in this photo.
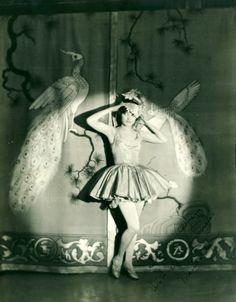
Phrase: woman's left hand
[141,120]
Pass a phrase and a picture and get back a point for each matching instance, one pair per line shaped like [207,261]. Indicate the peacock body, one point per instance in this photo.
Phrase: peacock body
[41,151]
[190,155]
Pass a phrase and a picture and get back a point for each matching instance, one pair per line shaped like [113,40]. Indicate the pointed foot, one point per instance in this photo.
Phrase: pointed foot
[116,267]
[131,273]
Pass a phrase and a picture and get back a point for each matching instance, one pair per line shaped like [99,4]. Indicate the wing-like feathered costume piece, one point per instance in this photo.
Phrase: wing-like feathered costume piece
[41,151]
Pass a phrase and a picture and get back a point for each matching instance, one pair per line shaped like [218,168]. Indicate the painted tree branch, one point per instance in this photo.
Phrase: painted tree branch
[179,204]
[187,46]
[177,23]
[135,54]
[88,169]
[26,84]
[92,148]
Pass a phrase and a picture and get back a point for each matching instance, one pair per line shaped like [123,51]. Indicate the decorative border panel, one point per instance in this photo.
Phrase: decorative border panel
[65,253]
[182,250]
[53,250]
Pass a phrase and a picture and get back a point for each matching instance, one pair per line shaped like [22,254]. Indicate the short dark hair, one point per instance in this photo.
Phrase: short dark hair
[118,114]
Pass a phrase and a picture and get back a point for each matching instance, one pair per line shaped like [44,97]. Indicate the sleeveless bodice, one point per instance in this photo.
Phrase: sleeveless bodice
[126,180]
[126,151]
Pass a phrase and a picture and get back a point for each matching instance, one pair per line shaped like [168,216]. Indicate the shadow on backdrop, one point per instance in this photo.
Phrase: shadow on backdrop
[84,194]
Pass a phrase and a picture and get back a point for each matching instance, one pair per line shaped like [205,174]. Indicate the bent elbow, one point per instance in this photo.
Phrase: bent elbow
[89,121]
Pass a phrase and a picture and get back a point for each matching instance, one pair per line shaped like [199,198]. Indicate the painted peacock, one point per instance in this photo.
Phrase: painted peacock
[190,155]
[41,151]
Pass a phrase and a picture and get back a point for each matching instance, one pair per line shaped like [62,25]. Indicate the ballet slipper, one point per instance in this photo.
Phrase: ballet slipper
[131,272]
[116,267]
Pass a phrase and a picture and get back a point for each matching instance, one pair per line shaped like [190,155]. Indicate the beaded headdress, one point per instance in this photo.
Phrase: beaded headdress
[133,95]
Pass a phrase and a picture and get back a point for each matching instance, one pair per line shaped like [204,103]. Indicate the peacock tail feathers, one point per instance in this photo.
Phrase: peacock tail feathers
[37,162]
[190,154]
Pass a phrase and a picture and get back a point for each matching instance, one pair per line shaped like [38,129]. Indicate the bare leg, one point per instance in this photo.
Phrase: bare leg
[130,248]
[131,213]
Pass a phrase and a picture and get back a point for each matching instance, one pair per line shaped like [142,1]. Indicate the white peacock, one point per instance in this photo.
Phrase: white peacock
[41,151]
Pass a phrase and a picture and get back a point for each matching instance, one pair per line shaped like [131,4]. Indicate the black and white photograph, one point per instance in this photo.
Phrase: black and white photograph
[118,150]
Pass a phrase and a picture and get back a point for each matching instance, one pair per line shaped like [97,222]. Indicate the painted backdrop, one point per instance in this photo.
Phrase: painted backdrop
[160,53]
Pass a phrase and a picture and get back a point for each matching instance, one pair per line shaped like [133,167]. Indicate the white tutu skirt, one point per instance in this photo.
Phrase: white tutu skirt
[123,182]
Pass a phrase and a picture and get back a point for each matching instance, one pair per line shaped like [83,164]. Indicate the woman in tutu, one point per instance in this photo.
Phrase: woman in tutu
[126,184]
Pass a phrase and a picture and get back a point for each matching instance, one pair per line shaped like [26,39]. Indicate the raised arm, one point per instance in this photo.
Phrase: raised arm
[153,135]
[94,122]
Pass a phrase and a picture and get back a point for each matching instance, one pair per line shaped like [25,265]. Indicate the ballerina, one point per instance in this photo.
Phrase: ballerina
[127,184]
